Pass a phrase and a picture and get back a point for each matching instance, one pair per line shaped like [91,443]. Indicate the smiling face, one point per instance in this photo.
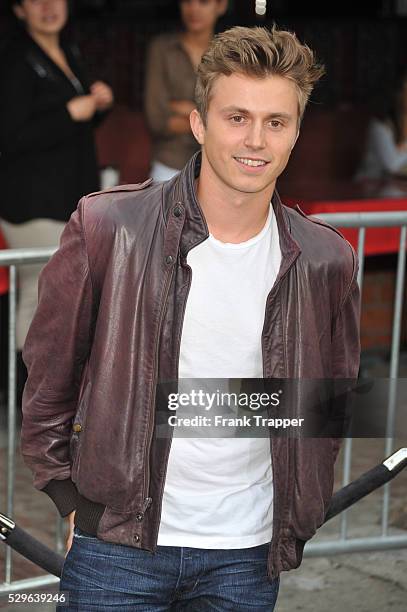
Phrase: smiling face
[43,17]
[251,128]
[201,15]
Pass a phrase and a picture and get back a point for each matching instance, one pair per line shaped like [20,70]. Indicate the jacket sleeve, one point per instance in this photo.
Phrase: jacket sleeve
[346,338]
[156,94]
[56,349]
[22,130]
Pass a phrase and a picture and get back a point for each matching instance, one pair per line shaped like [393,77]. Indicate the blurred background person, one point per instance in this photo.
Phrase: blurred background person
[48,110]
[386,142]
[172,61]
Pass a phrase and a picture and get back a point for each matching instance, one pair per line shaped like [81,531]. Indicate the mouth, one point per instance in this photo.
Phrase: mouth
[252,162]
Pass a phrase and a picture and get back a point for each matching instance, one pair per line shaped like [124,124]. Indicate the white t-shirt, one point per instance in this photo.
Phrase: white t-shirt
[218,491]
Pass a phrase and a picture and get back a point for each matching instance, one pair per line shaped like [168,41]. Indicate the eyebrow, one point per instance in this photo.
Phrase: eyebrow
[244,111]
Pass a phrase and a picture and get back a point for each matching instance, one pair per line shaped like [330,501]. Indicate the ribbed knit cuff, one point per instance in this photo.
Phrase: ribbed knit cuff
[88,515]
[64,495]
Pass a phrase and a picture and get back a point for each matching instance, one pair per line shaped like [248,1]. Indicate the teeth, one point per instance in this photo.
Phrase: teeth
[251,162]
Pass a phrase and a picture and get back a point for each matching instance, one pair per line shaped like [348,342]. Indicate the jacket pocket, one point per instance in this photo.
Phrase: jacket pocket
[77,431]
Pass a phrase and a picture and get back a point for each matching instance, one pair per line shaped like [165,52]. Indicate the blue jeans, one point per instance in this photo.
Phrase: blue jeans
[102,576]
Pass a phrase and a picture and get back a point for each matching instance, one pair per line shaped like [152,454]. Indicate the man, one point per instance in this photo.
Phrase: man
[198,277]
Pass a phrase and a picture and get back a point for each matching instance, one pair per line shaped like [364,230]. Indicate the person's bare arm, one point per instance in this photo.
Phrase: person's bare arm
[23,129]
[183,108]
[178,122]
[164,116]
[82,108]
[103,95]
[178,125]
[402,146]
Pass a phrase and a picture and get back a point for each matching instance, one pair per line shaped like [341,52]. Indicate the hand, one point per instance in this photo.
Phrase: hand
[182,107]
[70,520]
[82,108]
[102,94]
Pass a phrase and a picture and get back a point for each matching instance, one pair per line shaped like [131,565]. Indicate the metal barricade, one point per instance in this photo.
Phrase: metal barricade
[12,258]
[15,257]
[385,541]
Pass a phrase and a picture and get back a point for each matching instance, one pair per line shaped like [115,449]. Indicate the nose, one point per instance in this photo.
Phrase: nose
[255,136]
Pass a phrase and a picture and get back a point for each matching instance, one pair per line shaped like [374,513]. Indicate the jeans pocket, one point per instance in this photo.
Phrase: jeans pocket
[78,533]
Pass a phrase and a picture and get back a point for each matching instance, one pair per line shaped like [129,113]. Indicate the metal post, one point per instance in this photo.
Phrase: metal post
[347,454]
[12,258]
[12,378]
[361,255]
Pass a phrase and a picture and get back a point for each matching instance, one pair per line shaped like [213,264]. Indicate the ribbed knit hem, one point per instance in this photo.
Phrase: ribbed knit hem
[88,515]
[64,495]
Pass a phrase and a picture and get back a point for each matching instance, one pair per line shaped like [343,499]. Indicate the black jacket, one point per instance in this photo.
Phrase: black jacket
[48,161]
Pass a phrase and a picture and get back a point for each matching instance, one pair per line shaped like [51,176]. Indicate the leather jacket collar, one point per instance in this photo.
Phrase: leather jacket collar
[181,191]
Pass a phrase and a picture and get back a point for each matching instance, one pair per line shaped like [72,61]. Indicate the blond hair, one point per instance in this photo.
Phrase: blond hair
[257,52]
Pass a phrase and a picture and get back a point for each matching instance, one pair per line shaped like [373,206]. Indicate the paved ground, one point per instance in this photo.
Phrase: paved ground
[368,582]
[356,582]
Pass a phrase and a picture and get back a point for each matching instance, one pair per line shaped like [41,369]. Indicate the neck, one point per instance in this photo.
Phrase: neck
[198,40]
[48,42]
[231,215]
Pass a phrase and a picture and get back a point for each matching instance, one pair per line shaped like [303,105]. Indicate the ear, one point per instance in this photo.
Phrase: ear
[19,12]
[223,7]
[197,126]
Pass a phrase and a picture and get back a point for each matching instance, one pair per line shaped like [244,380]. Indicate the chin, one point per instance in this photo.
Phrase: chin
[196,27]
[253,183]
[248,188]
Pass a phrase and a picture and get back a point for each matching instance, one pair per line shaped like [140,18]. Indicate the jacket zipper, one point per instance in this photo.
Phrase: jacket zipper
[146,488]
[170,443]
[146,504]
[177,373]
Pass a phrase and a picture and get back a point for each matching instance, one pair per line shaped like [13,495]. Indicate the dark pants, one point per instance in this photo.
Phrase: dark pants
[102,576]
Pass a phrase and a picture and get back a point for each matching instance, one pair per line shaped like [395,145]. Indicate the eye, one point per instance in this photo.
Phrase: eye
[276,124]
[237,119]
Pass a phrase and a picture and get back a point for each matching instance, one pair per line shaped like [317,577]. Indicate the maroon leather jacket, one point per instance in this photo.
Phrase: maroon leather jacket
[108,327]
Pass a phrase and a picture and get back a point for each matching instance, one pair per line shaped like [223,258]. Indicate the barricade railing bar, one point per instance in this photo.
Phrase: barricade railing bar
[17,257]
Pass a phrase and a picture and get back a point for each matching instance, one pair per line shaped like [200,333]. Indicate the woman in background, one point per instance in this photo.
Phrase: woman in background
[170,85]
[48,162]
[386,144]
